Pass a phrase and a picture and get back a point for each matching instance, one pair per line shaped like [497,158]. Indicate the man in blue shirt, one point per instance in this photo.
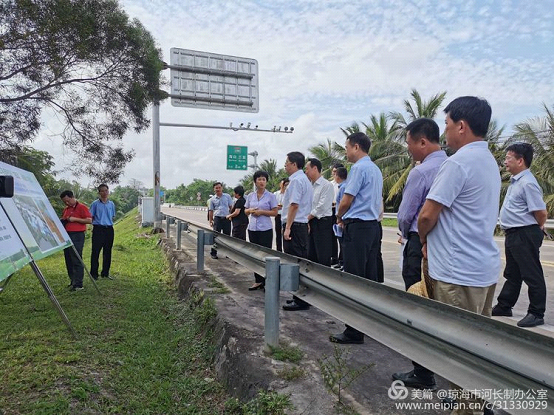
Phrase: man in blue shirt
[422,139]
[522,217]
[220,206]
[297,204]
[103,215]
[359,211]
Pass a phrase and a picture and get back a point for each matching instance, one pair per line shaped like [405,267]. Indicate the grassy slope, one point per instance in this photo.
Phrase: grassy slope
[140,350]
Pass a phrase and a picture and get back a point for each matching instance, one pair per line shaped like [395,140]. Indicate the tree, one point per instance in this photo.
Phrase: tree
[86,61]
[422,109]
[275,176]
[539,132]
[328,153]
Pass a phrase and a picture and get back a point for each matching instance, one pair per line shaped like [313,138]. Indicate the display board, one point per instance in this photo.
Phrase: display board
[13,255]
[237,158]
[32,215]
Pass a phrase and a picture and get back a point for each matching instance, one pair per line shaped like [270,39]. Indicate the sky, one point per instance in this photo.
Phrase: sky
[324,65]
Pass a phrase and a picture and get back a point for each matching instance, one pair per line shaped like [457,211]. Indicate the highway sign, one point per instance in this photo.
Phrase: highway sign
[212,81]
[237,158]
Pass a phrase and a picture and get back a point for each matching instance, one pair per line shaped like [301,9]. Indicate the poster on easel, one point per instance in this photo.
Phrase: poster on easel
[32,215]
[13,255]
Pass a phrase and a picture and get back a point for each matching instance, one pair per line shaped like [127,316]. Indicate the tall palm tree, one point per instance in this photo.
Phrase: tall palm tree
[329,153]
[539,132]
[422,109]
[275,175]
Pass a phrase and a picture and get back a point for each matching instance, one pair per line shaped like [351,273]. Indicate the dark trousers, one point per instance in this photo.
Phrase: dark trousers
[411,273]
[361,255]
[262,238]
[223,225]
[335,245]
[102,240]
[523,265]
[320,240]
[239,231]
[278,233]
[297,246]
[75,268]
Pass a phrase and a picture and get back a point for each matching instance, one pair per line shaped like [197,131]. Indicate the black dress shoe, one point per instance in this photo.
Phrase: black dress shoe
[412,381]
[294,306]
[530,320]
[256,287]
[344,339]
[499,310]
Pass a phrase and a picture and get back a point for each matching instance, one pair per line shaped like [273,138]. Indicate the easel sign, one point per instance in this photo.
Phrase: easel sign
[30,230]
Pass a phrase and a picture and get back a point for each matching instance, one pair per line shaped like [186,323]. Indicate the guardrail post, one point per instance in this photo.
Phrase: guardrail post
[167,223]
[200,251]
[271,331]
[178,241]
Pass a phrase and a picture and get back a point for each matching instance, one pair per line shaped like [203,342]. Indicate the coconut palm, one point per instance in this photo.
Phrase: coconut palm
[275,175]
[421,109]
[539,132]
[329,153]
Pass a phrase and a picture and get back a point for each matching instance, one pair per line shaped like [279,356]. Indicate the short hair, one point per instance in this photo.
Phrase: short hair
[342,173]
[67,193]
[297,158]
[361,139]
[239,190]
[424,127]
[102,185]
[475,111]
[217,183]
[260,173]
[522,150]
[315,162]
[337,165]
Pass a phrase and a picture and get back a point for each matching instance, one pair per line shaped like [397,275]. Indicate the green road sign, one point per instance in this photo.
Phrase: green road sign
[237,158]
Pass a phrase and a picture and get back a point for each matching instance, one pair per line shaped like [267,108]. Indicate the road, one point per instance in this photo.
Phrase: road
[393,277]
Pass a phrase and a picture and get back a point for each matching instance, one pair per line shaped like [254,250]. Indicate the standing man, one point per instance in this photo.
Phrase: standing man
[359,211]
[522,217]
[456,224]
[220,205]
[335,256]
[320,219]
[75,218]
[103,215]
[422,139]
[280,195]
[297,205]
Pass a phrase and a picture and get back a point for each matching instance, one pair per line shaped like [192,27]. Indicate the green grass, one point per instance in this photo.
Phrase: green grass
[140,350]
[390,222]
[287,353]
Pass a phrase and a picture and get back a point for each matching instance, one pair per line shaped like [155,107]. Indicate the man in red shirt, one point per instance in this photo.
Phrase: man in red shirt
[75,218]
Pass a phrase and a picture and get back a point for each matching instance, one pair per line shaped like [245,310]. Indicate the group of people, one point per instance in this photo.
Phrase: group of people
[75,218]
[447,219]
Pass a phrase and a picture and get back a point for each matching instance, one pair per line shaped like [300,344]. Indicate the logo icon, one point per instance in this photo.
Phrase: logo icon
[397,390]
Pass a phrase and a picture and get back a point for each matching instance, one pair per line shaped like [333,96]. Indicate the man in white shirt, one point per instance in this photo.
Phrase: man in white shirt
[280,195]
[320,218]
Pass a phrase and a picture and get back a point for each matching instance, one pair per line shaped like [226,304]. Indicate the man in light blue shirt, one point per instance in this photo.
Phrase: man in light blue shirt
[220,206]
[359,211]
[423,142]
[522,218]
[456,224]
[297,204]
[103,215]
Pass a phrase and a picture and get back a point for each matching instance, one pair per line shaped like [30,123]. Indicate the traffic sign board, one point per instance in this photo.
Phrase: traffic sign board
[212,81]
[237,158]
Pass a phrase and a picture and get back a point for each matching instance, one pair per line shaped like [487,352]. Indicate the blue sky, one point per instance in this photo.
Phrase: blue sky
[326,64]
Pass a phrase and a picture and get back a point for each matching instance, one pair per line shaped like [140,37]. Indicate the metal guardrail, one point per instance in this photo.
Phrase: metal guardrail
[475,352]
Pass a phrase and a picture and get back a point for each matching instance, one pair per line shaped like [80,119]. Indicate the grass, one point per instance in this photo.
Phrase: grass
[287,353]
[140,350]
[390,222]
[291,373]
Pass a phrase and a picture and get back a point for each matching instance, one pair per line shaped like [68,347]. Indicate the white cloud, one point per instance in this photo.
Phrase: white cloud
[324,64]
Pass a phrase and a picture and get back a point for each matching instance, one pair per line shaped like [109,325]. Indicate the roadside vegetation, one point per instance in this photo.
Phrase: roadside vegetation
[140,350]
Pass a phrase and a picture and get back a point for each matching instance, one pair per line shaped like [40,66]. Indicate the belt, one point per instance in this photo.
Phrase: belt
[323,218]
[296,224]
[519,228]
[355,220]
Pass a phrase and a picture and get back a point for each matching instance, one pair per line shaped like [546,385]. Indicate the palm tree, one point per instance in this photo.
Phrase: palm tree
[422,109]
[329,153]
[275,175]
[539,132]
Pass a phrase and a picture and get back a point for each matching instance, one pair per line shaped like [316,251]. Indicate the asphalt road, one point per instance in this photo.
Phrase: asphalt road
[393,277]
